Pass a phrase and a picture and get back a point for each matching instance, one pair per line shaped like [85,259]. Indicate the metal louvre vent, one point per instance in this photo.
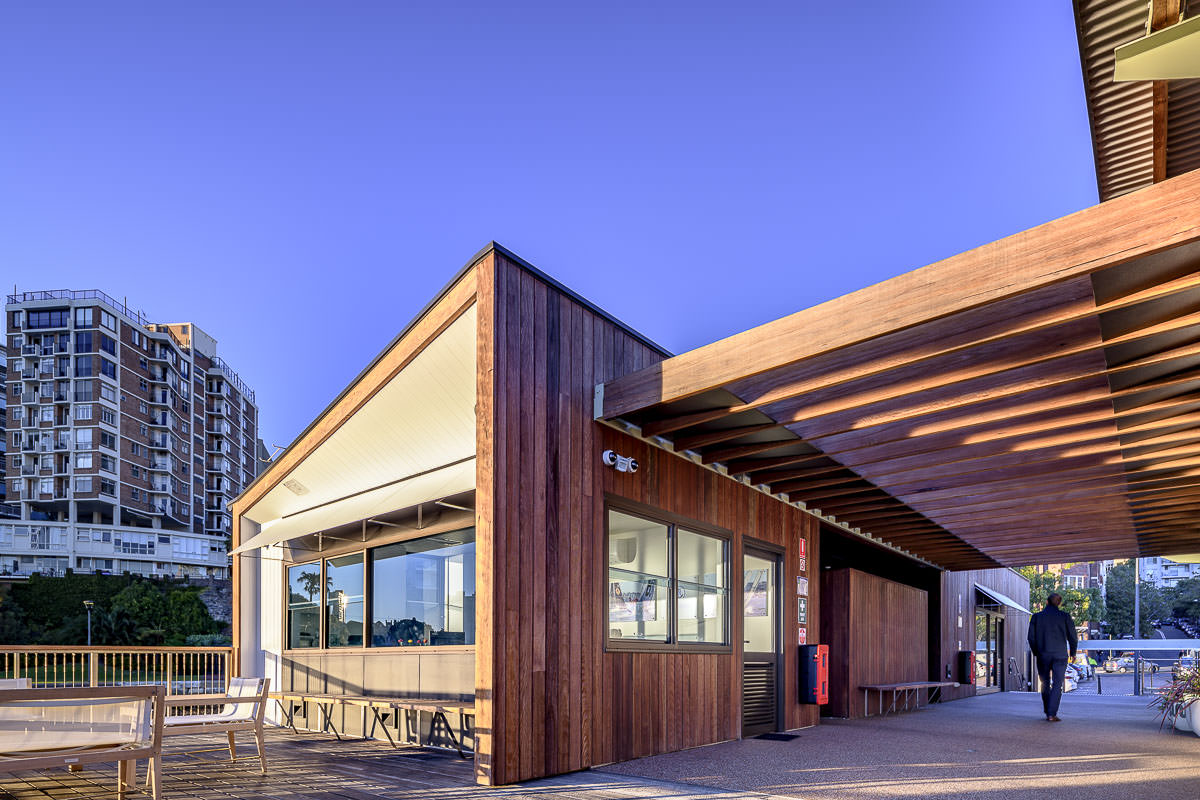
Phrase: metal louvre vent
[758,696]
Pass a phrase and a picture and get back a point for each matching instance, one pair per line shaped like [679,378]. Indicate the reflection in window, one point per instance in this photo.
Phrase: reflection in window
[344,601]
[423,591]
[702,595]
[638,578]
[304,595]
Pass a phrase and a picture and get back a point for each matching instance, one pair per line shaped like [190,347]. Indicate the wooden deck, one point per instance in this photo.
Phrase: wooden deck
[313,766]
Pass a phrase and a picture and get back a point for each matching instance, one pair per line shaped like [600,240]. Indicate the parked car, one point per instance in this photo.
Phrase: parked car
[1184,662]
[1118,664]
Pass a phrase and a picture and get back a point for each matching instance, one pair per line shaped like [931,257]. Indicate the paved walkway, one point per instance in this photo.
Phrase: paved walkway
[994,747]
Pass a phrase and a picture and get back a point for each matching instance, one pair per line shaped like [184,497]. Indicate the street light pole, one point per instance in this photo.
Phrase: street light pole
[88,605]
[1137,624]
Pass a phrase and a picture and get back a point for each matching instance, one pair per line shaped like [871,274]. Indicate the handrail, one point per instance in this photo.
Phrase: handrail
[66,648]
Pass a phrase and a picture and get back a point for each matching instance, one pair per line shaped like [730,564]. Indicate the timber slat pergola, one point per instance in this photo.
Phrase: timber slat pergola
[1032,400]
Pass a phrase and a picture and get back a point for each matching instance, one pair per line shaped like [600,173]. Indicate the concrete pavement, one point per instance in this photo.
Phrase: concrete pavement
[994,747]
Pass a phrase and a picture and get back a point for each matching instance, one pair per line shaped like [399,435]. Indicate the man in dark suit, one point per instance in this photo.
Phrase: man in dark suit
[1053,642]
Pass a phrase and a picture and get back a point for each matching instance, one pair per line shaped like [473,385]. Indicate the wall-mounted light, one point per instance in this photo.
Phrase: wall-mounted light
[619,463]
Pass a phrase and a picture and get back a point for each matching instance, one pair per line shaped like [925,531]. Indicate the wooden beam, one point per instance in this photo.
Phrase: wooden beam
[1163,14]
[697,440]
[743,466]
[662,425]
[1123,229]
[720,454]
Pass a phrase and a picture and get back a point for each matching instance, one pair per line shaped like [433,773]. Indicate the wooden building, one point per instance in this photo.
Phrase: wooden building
[615,552]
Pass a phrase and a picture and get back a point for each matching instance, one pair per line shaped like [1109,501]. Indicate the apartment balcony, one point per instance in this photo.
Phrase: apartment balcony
[29,397]
[29,374]
[84,397]
[27,469]
[29,350]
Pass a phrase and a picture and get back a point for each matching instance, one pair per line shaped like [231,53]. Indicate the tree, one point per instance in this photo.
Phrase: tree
[312,583]
[1185,599]
[1084,605]
[1118,600]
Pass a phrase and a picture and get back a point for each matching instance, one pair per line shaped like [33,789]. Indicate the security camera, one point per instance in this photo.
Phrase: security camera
[618,462]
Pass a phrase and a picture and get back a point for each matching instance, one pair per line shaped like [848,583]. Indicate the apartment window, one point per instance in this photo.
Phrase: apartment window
[136,338]
[83,317]
[83,439]
[46,486]
[142,430]
[107,320]
[108,393]
[135,494]
[107,463]
[668,582]
[108,344]
[108,368]
[47,414]
[46,319]
[83,342]
[17,413]
[135,448]
[83,484]
[135,471]
[83,461]
[83,412]
[15,389]
[142,384]
[142,407]
[84,367]
[108,440]
[142,362]
[108,416]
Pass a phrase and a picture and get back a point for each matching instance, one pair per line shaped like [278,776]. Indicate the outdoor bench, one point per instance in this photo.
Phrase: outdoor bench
[48,728]
[909,688]
[383,705]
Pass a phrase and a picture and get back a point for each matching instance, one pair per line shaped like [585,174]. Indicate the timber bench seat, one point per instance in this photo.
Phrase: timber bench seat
[910,689]
[383,705]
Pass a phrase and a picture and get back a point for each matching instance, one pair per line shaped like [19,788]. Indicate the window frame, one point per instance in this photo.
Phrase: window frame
[365,551]
[673,522]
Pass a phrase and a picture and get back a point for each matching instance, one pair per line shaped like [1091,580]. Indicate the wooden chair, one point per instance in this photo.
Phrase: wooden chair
[245,714]
[49,728]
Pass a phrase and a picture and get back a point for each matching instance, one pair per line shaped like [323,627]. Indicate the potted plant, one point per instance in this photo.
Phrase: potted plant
[1178,700]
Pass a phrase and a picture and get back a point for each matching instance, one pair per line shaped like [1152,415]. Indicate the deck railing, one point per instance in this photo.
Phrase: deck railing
[182,670]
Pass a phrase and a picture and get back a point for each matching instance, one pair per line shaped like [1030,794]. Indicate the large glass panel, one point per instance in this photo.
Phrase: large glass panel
[344,601]
[702,598]
[303,607]
[423,591]
[758,601]
[638,578]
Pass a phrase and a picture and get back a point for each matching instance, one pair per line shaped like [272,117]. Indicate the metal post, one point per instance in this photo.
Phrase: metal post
[1137,624]
[88,605]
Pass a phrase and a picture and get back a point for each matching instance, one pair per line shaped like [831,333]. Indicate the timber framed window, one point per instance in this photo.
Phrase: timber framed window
[667,584]
[411,593]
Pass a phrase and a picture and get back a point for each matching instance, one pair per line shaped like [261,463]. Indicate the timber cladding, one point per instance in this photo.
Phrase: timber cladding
[876,630]
[958,625]
[550,698]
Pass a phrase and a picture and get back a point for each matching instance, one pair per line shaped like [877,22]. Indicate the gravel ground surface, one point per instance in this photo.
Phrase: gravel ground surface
[995,747]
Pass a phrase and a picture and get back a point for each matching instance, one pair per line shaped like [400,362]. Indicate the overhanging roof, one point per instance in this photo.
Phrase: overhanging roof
[412,441]
[1034,400]
[1001,599]
[1142,131]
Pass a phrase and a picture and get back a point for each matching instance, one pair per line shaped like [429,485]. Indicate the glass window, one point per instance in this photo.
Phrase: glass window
[638,578]
[666,584]
[304,595]
[423,591]
[344,601]
[703,595]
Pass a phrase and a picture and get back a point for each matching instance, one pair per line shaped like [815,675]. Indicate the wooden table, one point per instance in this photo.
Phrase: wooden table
[909,688]
[383,705]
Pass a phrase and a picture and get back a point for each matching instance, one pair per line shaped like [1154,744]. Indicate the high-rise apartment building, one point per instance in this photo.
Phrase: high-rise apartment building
[1165,573]
[126,440]
[3,424]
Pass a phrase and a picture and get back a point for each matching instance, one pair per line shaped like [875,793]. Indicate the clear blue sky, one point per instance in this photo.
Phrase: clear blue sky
[300,177]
